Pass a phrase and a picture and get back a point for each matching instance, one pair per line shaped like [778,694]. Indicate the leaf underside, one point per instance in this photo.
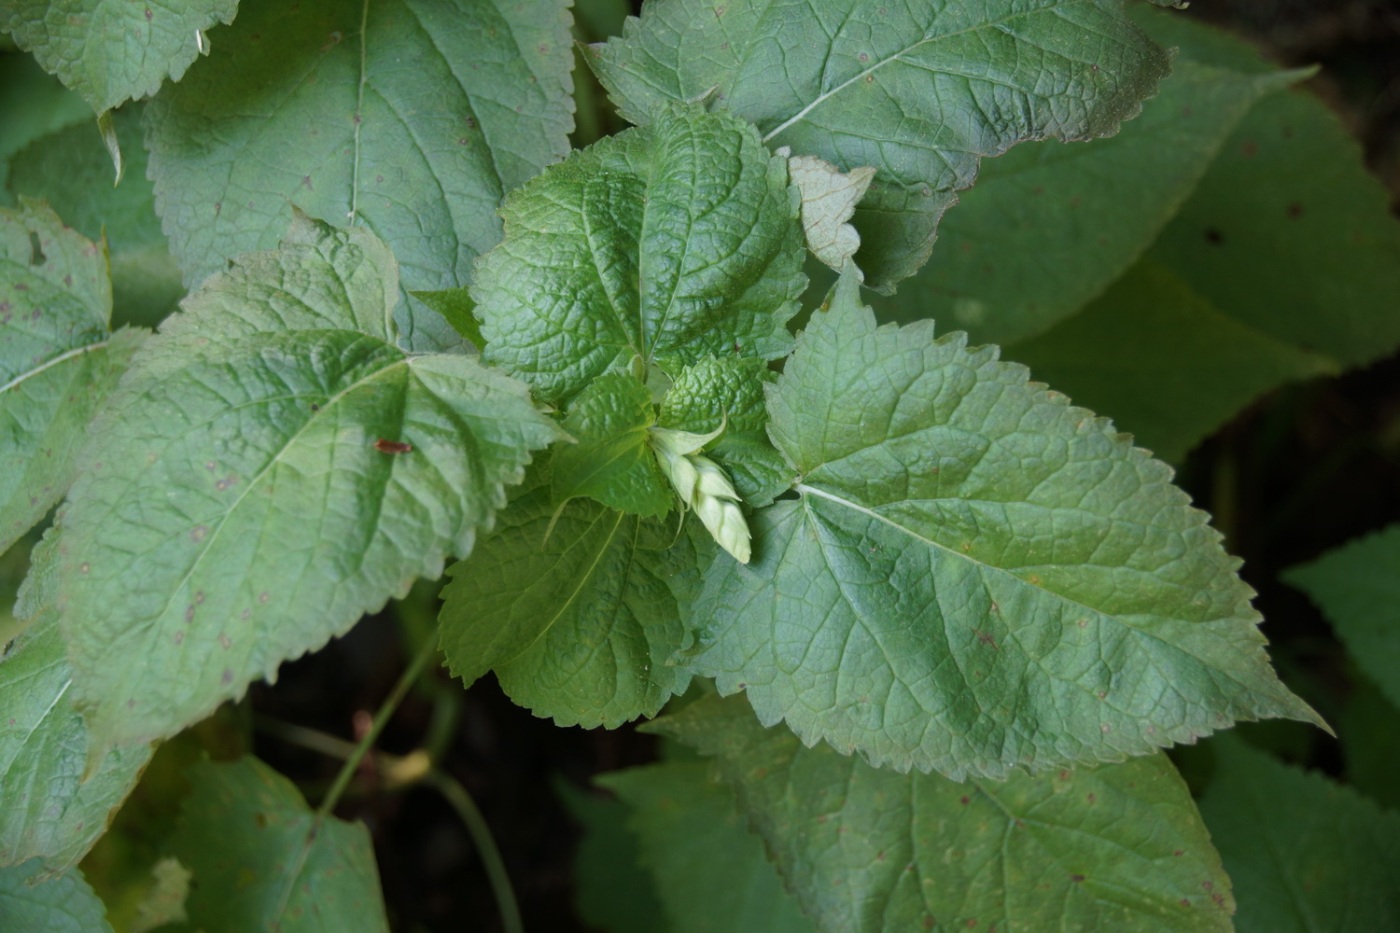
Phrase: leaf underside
[977,576]
[63,904]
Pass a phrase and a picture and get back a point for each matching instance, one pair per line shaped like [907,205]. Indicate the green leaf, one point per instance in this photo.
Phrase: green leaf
[58,361]
[1289,191]
[53,809]
[612,891]
[580,625]
[613,461]
[1358,588]
[1118,847]
[64,904]
[316,108]
[1049,226]
[271,468]
[113,52]
[919,91]
[261,860]
[977,576]
[458,310]
[1370,744]
[708,867]
[678,239]
[1304,852]
[1166,363]
[72,171]
[32,104]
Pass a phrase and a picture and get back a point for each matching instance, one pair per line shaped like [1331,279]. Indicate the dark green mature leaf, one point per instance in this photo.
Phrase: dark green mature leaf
[1049,226]
[271,468]
[32,104]
[113,52]
[1118,847]
[918,91]
[73,172]
[65,904]
[678,239]
[579,626]
[409,116]
[612,891]
[1358,588]
[58,360]
[708,867]
[613,461]
[1304,852]
[261,860]
[1289,195]
[977,576]
[1168,365]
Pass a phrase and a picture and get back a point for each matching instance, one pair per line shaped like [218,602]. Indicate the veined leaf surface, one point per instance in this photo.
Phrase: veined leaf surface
[1116,847]
[275,467]
[678,239]
[113,52]
[63,904]
[612,460]
[977,576]
[409,116]
[919,91]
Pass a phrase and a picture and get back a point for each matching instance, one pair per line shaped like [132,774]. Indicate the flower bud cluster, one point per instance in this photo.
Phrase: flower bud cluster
[703,487]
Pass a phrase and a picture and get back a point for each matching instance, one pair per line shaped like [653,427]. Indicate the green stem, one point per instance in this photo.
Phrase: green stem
[457,797]
[381,719]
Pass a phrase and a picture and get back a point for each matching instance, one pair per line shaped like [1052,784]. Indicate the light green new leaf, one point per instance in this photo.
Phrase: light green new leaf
[1049,226]
[271,468]
[1164,362]
[977,576]
[261,860]
[64,904]
[114,52]
[918,91]
[58,360]
[708,867]
[73,172]
[578,626]
[1117,847]
[1288,202]
[409,116]
[1305,853]
[1358,588]
[613,461]
[678,239]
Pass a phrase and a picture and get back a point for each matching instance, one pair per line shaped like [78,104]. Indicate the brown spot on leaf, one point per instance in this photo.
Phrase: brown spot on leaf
[1076,878]
[1249,149]
[1294,210]
[1213,236]
[392,447]
[199,533]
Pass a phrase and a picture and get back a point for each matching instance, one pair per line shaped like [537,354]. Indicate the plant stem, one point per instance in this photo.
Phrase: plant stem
[381,719]
[457,797]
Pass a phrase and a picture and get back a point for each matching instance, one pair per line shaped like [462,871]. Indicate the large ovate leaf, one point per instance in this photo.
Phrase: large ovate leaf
[1305,853]
[1358,588]
[72,170]
[1049,226]
[58,359]
[613,891]
[709,869]
[977,576]
[1117,847]
[408,116]
[918,91]
[678,239]
[271,468]
[63,904]
[261,860]
[612,460]
[578,614]
[1168,365]
[113,52]
[32,104]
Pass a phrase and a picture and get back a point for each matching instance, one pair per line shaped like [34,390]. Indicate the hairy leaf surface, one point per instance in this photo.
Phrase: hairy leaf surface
[408,116]
[53,811]
[613,461]
[678,239]
[58,359]
[1305,853]
[919,91]
[1358,588]
[272,468]
[113,52]
[64,904]
[1117,847]
[707,866]
[261,860]
[578,626]
[977,576]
